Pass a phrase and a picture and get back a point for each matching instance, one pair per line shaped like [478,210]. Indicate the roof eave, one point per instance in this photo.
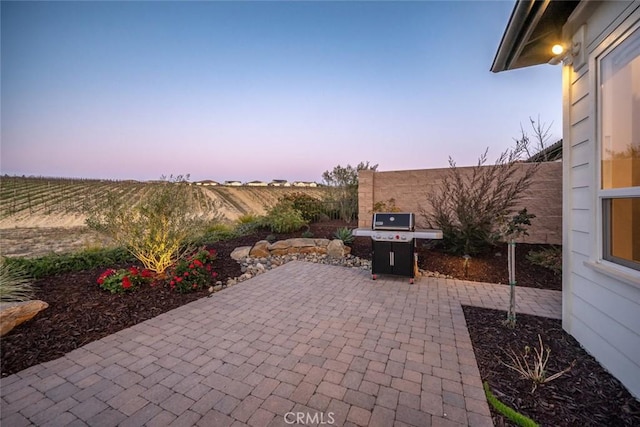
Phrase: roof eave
[510,38]
[533,27]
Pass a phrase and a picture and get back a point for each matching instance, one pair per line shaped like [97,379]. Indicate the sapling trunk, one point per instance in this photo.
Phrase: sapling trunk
[511,314]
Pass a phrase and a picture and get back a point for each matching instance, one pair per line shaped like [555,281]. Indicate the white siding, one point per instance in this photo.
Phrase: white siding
[600,311]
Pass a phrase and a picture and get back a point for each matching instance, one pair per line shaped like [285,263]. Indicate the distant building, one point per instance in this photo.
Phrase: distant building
[304,184]
[256,184]
[207,182]
[280,183]
[233,183]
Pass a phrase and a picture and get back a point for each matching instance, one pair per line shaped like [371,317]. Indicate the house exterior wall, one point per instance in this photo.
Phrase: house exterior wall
[410,191]
[601,307]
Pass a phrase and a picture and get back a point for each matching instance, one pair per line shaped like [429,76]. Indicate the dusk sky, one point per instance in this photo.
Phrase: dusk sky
[259,90]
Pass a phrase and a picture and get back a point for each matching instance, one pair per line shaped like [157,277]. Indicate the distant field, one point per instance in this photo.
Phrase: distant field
[57,202]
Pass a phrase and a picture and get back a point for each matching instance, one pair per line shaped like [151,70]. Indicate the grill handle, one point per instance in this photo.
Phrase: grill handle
[391,259]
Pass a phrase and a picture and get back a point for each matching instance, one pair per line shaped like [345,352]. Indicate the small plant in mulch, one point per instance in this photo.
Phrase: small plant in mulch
[549,258]
[307,234]
[194,272]
[15,284]
[344,234]
[124,280]
[534,367]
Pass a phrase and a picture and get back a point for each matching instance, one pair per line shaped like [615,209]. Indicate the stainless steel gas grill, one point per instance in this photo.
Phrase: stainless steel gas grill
[394,235]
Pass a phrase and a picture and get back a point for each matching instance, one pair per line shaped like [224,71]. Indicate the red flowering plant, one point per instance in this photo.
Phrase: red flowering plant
[194,272]
[123,280]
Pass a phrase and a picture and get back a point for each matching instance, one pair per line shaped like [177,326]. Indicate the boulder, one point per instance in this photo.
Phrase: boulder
[323,243]
[14,315]
[280,245]
[260,249]
[336,249]
[240,253]
[301,242]
[309,250]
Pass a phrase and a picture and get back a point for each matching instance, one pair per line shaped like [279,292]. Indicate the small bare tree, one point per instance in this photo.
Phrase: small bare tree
[512,230]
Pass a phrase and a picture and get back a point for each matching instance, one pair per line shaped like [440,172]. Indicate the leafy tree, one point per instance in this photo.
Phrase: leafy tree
[343,185]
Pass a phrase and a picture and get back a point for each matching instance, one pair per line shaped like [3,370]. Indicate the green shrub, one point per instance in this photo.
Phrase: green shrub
[14,283]
[217,232]
[550,258]
[219,227]
[283,218]
[344,234]
[247,219]
[310,208]
[63,263]
[247,224]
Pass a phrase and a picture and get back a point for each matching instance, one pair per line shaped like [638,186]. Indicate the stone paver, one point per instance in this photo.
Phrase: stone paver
[322,341]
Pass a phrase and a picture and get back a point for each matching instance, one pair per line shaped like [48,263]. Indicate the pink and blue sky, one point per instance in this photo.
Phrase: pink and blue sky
[258,90]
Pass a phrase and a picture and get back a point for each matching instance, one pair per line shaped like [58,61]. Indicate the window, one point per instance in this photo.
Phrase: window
[620,152]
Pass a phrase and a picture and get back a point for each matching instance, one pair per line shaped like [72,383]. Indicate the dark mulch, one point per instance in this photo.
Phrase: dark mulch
[492,266]
[586,395]
[79,312]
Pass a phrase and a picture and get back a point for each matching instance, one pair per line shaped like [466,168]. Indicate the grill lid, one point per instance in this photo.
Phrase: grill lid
[393,221]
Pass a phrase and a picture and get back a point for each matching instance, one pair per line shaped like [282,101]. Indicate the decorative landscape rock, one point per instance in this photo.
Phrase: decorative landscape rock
[264,249]
[240,252]
[260,249]
[12,316]
[336,249]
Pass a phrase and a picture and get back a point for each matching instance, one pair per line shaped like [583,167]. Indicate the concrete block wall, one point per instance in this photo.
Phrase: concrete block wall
[411,188]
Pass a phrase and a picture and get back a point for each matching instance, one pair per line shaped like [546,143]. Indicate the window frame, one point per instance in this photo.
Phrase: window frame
[604,196]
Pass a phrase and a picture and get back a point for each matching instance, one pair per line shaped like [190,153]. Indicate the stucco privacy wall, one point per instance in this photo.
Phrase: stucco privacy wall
[410,190]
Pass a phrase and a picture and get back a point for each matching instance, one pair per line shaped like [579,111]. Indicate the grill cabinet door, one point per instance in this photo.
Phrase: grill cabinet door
[392,258]
[403,257]
[381,263]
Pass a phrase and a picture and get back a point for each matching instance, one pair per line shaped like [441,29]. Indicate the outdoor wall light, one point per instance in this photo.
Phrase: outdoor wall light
[557,49]
[564,55]
[571,52]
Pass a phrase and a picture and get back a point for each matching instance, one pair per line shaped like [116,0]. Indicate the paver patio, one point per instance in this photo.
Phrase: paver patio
[322,341]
